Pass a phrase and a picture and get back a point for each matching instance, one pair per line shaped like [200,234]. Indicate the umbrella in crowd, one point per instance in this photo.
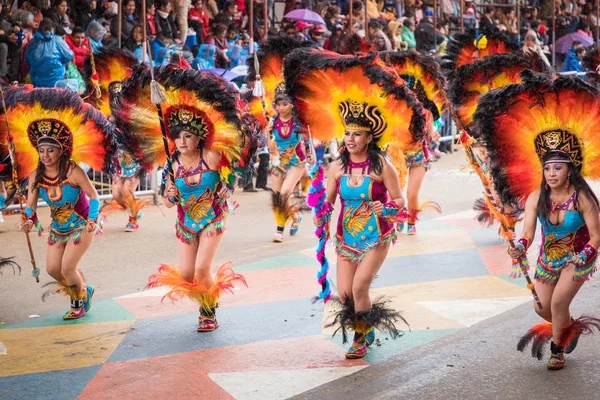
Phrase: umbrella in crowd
[305,15]
[563,45]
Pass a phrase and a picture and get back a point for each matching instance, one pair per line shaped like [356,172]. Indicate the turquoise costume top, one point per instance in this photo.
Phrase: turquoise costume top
[290,146]
[359,229]
[200,210]
[123,170]
[561,242]
[69,209]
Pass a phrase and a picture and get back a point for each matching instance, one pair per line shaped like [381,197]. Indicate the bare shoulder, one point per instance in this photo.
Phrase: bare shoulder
[336,169]
[533,198]
[586,201]
[211,157]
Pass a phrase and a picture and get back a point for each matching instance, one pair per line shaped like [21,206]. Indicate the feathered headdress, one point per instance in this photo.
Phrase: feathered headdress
[199,102]
[56,116]
[270,60]
[423,76]
[111,66]
[520,123]
[468,49]
[331,92]
[471,81]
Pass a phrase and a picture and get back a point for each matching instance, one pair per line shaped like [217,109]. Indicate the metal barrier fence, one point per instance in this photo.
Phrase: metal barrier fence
[103,184]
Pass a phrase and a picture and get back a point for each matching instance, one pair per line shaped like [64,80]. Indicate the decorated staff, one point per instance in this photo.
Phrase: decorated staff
[15,180]
[542,140]
[368,106]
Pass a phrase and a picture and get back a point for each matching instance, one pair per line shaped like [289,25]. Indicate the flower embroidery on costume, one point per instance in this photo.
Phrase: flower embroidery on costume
[356,219]
[198,207]
[62,213]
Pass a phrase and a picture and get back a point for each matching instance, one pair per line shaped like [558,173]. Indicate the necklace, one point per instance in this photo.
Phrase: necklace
[285,127]
[563,206]
[51,181]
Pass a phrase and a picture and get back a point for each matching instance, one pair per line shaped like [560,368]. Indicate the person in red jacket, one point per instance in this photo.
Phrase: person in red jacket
[80,46]
[198,19]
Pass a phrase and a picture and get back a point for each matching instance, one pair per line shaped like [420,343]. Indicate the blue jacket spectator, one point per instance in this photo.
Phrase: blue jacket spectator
[47,56]
[573,60]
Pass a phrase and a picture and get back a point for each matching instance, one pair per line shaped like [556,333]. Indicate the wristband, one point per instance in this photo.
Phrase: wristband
[2,201]
[588,253]
[30,215]
[390,209]
[525,243]
[29,212]
[325,212]
[172,199]
[94,209]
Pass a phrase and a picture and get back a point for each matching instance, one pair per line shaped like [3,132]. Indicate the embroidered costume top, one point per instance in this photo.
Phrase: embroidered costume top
[560,242]
[359,229]
[69,209]
[200,210]
[126,166]
[290,145]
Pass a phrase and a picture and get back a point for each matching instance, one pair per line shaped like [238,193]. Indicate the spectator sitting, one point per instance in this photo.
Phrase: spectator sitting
[228,15]
[198,19]
[151,23]
[29,15]
[332,17]
[379,39]
[79,45]
[232,34]
[302,31]
[408,34]
[84,12]
[316,36]
[393,32]
[425,34]
[128,21]
[165,24]
[99,37]
[218,38]
[573,62]
[334,42]
[532,45]
[487,23]
[58,15]
[47,56]
[206,57]
[135,41]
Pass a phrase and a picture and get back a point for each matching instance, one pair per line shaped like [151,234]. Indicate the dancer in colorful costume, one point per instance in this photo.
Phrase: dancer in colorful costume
[53,130]
[288,148]
[542,139]
[424,78]
[369,107]
[106,70]
[203,128]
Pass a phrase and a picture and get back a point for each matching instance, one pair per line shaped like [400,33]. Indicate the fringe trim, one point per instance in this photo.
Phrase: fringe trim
[213,229]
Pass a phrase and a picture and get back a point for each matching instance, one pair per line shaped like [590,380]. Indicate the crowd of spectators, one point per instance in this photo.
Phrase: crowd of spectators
[47,42]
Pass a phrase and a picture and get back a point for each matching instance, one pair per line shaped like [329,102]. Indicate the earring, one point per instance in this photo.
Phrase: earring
[568,183]
[547,187]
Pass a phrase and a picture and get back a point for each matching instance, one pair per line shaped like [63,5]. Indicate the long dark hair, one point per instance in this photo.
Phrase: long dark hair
[63,169]
[374,154]
[574,178]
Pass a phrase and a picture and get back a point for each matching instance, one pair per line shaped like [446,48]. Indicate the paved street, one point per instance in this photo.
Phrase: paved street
[450,282]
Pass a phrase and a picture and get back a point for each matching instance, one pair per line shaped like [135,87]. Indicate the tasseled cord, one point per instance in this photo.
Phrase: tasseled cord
[316,200]
[379,316]
[259,86]
[208,298]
